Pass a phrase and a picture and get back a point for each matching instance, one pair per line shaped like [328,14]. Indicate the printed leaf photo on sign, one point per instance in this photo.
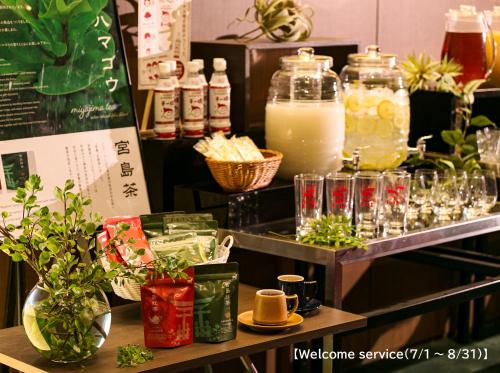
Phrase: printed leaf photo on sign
[61,69]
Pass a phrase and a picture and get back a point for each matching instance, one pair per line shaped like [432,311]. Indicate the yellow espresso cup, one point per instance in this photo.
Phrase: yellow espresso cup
[270,307]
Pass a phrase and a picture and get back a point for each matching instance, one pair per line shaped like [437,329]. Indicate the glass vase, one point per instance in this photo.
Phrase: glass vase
[68,325]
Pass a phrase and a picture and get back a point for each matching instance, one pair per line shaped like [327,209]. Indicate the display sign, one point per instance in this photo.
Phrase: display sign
[65,104]
[164,33]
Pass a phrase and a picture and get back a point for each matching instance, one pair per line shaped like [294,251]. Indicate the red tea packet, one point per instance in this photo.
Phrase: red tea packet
[126,250]
[167,311]
[103,240]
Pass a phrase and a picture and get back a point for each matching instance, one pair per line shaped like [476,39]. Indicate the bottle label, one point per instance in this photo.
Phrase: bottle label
[177,109]
[220,101]
[192,101]
[165,113]
[205,107]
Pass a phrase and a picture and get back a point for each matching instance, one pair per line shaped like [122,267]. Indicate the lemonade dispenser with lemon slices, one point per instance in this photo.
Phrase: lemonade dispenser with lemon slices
[377,109]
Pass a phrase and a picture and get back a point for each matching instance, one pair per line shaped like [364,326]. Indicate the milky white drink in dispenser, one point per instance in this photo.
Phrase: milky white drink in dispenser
[192,103]
[164,104]
[201,71]
[377,109]
[177,89]
[305,115]
[220,98]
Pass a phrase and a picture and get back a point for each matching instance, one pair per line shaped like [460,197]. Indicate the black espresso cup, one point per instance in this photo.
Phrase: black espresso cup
[295,284]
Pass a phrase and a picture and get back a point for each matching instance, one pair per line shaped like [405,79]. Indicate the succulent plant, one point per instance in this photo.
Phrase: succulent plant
[279,20]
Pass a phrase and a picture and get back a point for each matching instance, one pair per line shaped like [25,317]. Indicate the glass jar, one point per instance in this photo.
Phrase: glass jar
[66,328]
[492,55]
[377,109]
[305,117]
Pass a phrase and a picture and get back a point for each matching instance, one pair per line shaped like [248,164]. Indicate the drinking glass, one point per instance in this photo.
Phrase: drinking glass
[488,145]
[367,187]
[308,201]
[444,196]
[424,181]
[490,198]
[395,198]
[463,193]
[477,187]
[339,190]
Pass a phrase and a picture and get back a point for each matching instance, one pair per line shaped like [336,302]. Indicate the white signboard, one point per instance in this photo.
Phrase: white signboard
[164,33]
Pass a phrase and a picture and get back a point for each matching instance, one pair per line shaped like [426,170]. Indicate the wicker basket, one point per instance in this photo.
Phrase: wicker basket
[245,176]
[131,290]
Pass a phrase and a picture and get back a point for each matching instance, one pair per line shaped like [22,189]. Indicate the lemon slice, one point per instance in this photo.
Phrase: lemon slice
[385,109]
[370,101]
[365,126]
[33,330]
[384,128]
[350,123]
[352,102]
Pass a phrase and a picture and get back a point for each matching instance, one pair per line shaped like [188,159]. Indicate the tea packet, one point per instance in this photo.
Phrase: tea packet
[206,232]
[152,224]
[202,227]
[131,240]
[179,218]
[167,311]
[216,302]
[183,245]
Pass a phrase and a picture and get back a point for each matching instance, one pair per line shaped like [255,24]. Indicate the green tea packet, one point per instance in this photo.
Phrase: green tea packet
[152,224]
[215,302]
[205,227]
[205,230]
[179,218]
[181,245]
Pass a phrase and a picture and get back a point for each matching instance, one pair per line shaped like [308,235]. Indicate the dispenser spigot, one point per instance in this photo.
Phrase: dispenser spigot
[355,159]
[420,148]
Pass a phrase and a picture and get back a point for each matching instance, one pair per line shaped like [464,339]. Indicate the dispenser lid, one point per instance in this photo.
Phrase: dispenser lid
[465,19]
[372,57]
[494,18]
[306,59]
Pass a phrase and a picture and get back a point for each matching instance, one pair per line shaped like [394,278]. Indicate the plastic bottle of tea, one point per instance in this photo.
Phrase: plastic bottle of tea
[192,102]
[177,89]
[164,104]
[201,66]
[220,98]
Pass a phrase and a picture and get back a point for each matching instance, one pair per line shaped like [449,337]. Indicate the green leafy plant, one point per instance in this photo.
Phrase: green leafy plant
[65,322]
[56,246]
[132,356]
[421,73]
[336,232]
[279,20]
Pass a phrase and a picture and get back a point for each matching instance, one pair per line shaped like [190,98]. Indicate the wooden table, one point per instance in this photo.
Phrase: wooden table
[126,327]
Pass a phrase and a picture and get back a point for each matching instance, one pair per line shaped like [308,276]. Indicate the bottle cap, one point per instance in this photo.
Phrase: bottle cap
[165,69]
[192,67]
[200,62]
[173,65]
[220,64]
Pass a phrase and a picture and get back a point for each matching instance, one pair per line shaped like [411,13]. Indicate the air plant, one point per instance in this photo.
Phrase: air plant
[279,20]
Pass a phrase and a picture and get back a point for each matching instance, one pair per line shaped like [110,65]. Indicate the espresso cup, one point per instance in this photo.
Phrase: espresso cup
[295,284]
[270,307]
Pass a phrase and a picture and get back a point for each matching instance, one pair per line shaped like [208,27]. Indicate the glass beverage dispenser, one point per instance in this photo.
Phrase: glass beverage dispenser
[305,117]
[377,109]
[466,42]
